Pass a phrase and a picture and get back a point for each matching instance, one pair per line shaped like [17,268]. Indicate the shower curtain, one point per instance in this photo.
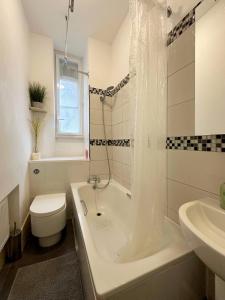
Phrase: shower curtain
[148,97]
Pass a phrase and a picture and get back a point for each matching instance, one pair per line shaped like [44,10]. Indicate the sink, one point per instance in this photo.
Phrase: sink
[203,225]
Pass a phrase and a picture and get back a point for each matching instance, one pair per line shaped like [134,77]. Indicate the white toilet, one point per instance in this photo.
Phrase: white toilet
[48,218]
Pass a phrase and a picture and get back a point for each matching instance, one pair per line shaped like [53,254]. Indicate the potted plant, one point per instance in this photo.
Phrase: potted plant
[37,94]
[36,126]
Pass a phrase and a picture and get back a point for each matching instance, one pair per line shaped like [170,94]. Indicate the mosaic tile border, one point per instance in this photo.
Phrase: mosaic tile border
[182,26]
[117,143]
[209,143]
[119,86]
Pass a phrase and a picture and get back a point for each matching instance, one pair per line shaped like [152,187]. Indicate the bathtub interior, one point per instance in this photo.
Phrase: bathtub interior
[109,221]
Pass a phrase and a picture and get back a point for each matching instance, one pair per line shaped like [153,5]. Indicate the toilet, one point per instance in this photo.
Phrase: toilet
[48,218]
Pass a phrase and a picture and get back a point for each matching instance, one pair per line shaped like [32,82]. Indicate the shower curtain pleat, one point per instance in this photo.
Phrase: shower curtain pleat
[148,98]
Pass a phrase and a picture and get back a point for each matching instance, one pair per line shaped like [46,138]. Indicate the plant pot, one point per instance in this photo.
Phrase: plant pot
[36,156]
[38,104]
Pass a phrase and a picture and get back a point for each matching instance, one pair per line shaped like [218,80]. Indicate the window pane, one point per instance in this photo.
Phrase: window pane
[68,93]
[68,102]
[69,120]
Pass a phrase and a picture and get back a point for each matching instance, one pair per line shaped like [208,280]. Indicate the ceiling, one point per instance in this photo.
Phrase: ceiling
[99,19]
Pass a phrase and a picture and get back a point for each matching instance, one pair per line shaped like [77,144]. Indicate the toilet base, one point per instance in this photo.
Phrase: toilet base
[49,241]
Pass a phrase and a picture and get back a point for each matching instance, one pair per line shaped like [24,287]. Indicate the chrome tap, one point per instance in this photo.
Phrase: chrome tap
[94,179]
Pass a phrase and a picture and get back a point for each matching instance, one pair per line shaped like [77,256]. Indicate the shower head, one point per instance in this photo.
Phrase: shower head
[110,88]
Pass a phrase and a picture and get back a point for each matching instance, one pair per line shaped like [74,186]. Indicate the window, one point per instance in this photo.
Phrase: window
[68,102]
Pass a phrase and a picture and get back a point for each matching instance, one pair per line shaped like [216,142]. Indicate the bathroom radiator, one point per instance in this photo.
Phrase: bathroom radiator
[4,222]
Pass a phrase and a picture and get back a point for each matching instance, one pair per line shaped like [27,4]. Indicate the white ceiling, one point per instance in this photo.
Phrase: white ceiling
[100,19]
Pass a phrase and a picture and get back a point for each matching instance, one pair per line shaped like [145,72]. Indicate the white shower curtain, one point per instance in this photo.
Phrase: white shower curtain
[148,90]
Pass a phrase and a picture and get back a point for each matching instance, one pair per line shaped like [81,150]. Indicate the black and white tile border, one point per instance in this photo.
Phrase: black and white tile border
[119,86]
[102,92]
[209,143]
[93,90]
[117,143]
[182,26]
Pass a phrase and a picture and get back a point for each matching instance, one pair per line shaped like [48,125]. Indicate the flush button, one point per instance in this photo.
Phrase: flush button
[36,171]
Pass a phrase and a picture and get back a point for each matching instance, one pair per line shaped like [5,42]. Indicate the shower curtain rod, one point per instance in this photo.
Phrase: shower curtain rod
[83,73]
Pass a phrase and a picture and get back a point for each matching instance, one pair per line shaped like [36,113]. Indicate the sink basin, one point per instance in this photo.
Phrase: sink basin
[203,225]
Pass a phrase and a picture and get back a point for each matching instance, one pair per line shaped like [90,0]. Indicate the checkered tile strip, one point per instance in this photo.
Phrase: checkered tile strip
[210,143]
[182,26]
[96,91]
[117,143]
[119,86]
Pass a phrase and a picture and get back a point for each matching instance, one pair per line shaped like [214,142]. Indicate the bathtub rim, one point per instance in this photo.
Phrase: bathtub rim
[117,278]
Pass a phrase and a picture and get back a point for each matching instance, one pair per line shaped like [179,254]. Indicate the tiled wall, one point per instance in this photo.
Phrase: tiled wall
[98,164]
[191,174]
[117,116]
[181,87]
[121,130]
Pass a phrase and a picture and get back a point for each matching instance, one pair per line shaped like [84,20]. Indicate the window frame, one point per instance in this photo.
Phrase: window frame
[59,134]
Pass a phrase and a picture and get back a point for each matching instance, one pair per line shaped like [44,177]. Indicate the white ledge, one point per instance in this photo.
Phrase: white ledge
[59,159]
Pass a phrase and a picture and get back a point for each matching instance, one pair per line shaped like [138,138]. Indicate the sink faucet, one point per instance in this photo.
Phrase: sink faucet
[94,179]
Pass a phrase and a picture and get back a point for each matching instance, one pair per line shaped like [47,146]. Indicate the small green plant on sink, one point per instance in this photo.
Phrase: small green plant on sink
[37,93]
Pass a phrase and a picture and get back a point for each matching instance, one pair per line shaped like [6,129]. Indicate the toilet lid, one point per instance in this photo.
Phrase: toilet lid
[46,205]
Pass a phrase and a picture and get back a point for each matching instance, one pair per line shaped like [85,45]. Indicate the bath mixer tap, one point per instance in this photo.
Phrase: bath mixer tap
[94,179]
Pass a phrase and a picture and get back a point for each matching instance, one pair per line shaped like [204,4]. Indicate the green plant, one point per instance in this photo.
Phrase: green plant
[37,92]
[36,126]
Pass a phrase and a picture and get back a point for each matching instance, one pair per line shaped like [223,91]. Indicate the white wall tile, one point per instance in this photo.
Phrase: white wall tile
[95,102]
[181,85]
[99,152]
[117,115]
[181,119]
[202,170]
[173,215]
[97,132]
[99,167]
[96,117]
[117,131]
[126,112]
[182,51]
[180,193]
[127,129]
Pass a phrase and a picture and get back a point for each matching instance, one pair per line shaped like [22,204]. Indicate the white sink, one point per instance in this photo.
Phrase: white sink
[203,225]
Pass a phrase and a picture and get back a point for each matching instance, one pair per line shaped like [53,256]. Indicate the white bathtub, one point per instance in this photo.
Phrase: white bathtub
[106,234]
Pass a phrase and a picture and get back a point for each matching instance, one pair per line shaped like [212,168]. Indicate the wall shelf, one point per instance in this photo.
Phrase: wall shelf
[39,110]
[59,159]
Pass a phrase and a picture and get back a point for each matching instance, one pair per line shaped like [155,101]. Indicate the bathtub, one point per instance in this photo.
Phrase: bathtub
[102,224]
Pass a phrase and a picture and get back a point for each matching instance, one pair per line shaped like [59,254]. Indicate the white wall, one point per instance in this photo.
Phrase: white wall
[120,52]
[99,61]
[210,70]
[42,70]
[109,64]
[15,135]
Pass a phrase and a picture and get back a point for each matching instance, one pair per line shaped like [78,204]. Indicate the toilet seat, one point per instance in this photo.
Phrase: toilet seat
[47,205]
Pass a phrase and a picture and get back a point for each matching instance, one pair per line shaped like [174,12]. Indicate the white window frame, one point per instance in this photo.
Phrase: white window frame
[59,134]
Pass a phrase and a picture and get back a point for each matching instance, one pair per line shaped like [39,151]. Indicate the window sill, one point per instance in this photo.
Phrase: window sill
[59,159]
[72,137]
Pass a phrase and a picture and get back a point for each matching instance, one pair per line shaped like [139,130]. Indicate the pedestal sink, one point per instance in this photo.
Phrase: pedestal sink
[203,225]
